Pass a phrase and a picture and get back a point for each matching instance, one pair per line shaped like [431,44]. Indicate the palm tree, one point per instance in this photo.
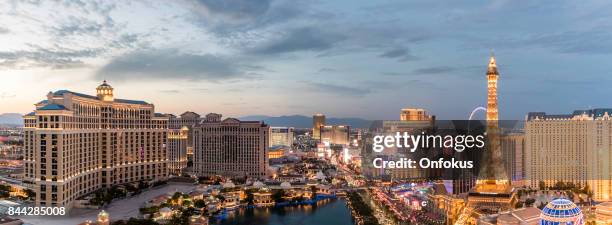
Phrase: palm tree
[313,191]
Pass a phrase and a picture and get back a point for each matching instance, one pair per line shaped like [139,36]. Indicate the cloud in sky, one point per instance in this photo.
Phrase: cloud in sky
[434,70]
[45,58]
[6,95]
[402,54]
[172,64]
[336,89]
[232,11]
[282,43]
[302,39]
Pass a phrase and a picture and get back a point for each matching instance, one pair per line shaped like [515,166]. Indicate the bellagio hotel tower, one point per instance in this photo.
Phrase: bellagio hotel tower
[76,144]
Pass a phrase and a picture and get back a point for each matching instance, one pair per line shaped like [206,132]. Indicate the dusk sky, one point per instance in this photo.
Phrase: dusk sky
[350,58]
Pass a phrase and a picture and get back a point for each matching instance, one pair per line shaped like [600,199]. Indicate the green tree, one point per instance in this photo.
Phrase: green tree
[587,191]
[5,188]
[200,203]
[202,180]
[142,185]
[542,185]
[31,194]
[249,197]
[298,198]
[313,192]
[221,198]
[570,195]
[149,210]
[542,205]
[130,188]
[278,195]
[135,221]
[176,195]
[560,185]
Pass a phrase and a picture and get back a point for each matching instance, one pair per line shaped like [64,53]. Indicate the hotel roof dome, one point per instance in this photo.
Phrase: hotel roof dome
[285,185]
[104,85]
[258,184]
[561,211]
[105,92]
[229,184]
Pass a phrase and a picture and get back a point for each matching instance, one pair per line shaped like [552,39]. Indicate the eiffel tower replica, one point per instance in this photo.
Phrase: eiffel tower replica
[493,192]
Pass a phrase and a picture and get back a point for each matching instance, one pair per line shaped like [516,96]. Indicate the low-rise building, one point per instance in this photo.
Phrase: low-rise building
[603,213]
[263,198]
[523,216]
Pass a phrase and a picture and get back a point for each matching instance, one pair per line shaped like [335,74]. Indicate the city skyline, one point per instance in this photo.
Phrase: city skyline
[233,58]
[215,112]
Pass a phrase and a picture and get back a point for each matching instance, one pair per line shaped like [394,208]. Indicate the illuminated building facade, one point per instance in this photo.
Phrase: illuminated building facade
[76,144]
[103,218]
[318,120]
[177,150]
[603,213]
[281,136]
[414,114]
[189,120]
[276,152]
[492,76]
[492,192]
[335,134]
[573,148]
[561,211]
[446,203]
[230,147]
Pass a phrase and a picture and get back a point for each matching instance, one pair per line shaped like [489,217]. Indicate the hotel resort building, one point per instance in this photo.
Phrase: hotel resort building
[574,148]
[281,136]
[177,150]
[76,144]
[230,147]
[186,120]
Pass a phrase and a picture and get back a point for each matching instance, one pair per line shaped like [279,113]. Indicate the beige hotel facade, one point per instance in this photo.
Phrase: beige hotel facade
[573,148]
[177,150]
[76,144]
[230,147]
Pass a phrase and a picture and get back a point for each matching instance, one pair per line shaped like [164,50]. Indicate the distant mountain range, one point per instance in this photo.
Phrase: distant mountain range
[299,121]
[11,118]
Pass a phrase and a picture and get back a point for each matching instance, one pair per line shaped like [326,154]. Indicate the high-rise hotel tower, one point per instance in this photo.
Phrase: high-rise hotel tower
[180,141]
[571,148]
[318,120]
[177,150]
[230,147]
[76,144]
